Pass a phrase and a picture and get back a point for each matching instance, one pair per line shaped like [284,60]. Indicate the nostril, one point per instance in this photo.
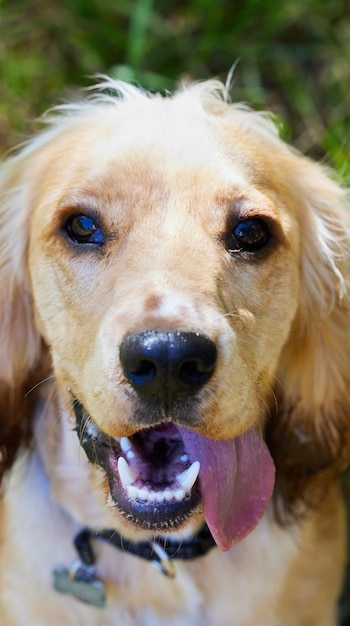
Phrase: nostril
[142,357]
[195,372]
[143,373]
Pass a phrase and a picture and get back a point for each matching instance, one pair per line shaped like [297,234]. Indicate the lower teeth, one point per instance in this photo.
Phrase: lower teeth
[183,485]
[146,495]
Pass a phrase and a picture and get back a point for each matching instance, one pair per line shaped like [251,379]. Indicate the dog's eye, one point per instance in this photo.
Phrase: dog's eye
[83,229]
[248,235]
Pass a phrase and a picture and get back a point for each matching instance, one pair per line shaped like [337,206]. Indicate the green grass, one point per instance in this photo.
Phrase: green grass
[294,58]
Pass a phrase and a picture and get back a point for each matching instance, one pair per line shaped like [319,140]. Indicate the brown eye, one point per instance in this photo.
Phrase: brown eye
[248,235]
[83,229]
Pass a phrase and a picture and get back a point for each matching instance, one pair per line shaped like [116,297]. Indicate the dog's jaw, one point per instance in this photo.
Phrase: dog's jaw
[163,476]
[151,480]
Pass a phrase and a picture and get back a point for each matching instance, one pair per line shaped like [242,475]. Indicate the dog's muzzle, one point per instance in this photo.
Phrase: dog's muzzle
[167,471]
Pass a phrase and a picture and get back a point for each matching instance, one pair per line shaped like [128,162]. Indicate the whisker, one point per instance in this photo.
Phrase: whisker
[41,382]
[49,399]
[237,315]
[82,430]
[272,392]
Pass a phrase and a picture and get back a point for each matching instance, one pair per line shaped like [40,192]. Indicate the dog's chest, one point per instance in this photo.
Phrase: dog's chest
[220,589]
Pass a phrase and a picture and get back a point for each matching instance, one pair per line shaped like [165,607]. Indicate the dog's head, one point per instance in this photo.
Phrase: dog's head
[186,271]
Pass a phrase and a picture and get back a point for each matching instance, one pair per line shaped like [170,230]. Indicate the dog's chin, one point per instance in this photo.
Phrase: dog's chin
[152,482]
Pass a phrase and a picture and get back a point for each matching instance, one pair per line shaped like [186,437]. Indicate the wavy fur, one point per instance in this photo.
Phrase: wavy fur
[303,385]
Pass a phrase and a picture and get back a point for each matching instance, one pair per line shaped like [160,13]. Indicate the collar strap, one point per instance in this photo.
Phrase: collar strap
[160,551]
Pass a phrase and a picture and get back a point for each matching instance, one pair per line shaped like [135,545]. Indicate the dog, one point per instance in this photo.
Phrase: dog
[175,368]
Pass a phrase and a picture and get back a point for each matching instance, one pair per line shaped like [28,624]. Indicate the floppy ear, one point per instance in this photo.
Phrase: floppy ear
[309,434]
[19,340]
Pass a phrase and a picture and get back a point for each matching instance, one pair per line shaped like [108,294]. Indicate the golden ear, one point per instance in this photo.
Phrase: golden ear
[310,433]
[20,342]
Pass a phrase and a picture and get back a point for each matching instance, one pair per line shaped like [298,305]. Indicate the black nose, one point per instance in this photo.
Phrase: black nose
[167,365]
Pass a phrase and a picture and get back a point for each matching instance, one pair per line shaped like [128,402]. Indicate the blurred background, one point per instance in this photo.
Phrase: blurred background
[291,57]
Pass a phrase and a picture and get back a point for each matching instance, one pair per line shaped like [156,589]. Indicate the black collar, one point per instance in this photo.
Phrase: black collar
[81,582]
[160,551]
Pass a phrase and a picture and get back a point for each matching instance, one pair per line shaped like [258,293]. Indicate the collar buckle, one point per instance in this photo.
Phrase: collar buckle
[162,563]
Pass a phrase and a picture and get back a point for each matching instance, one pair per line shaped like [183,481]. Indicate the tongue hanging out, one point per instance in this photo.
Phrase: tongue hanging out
[235,478]
[236,481]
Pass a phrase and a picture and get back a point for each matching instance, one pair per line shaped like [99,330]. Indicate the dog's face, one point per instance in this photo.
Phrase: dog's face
[164,266]
[166,226]
[186,271]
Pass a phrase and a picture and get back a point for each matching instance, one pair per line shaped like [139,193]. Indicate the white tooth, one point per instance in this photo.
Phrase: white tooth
[189,476]
[143,494]
[179,494]
[184,458]
[132,492]
[125,444]
[126,447]
[126,476]
[168,494]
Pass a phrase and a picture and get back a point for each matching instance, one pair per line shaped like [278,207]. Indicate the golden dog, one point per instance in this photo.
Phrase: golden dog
[175,369]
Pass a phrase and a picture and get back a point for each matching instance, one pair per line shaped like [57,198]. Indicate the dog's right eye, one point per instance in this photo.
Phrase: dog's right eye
[83,229]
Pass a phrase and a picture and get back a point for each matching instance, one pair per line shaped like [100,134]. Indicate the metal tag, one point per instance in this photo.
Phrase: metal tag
[163,564]
[81,583]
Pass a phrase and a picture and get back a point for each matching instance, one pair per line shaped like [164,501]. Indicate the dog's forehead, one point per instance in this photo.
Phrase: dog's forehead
[154,134]
[174,142]
[140,159]
[143,156]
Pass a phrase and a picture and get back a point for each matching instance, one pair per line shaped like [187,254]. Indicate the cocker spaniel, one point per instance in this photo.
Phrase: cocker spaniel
[175,369]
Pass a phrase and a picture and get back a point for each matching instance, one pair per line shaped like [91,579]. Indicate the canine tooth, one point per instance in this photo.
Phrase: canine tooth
[126,476]
[189,476]
[130,454]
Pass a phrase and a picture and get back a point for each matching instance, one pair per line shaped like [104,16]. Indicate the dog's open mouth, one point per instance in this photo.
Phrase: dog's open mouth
[162,475]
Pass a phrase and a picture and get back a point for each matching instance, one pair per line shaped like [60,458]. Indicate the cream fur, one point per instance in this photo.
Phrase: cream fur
[164,175]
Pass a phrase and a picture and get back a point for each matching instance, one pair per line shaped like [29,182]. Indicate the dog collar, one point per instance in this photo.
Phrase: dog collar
[80,580]
[160,551]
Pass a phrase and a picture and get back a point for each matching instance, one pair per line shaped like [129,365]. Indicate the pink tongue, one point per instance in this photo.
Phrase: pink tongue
[236,479]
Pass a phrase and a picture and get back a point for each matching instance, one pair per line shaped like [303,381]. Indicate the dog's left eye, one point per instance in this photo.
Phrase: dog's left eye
[84,230]
[248,235]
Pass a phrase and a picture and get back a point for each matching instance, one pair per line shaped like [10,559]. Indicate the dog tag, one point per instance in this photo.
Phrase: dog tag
[81,583]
